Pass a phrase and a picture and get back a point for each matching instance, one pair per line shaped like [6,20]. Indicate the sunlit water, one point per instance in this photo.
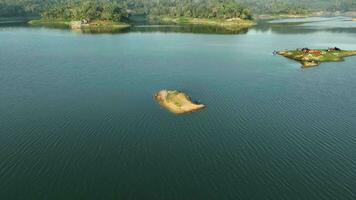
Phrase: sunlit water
[78,119]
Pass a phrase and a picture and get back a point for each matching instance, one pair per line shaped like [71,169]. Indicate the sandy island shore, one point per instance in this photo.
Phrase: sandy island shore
[176,101]
[230,24]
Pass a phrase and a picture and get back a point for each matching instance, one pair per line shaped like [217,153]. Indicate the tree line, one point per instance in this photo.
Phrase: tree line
[118,9]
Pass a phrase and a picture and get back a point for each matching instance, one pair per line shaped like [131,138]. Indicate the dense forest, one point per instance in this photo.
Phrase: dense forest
[221,9]
[90,10]
[117,9]
[10,8]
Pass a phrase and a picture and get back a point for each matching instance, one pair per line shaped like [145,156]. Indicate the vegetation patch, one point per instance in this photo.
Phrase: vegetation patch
[313,57]
[176,101]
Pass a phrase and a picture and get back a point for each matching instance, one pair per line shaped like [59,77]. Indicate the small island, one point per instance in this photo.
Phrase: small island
[227,14]
[92,16]
[314,57]
[177,102]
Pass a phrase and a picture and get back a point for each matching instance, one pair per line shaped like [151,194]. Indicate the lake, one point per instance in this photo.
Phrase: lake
[78,119]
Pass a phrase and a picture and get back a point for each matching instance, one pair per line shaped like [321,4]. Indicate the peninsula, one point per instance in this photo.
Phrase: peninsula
[314,57]
[177,102]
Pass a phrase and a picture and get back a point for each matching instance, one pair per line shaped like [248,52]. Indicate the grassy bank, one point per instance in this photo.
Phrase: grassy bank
[227,23]
[42,22]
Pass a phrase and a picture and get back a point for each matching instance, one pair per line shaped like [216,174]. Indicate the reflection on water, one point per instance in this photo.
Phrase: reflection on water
[107,30]
[14,20]
[188,29]
[141,24]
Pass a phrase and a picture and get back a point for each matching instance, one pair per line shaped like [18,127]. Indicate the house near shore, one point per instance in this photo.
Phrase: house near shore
[311,51]
[79,24]
[334,49]
[84,21]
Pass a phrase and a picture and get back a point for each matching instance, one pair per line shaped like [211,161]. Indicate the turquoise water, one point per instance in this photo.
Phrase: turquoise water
[78,119]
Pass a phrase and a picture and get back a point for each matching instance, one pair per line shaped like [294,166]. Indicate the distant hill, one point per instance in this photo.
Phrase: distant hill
[299,6]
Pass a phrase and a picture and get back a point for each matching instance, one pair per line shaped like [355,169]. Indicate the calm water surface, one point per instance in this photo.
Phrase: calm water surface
[78,119]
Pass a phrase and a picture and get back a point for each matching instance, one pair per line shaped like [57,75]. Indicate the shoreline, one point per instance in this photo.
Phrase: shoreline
[77,25]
